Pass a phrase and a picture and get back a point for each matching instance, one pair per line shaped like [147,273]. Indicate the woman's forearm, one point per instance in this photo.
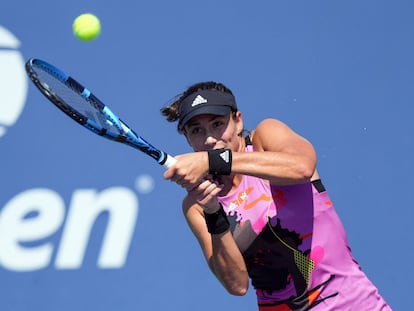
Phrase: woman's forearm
[228,265]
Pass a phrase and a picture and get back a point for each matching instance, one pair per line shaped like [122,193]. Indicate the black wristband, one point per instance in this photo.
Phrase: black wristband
[219,161]
[217,222]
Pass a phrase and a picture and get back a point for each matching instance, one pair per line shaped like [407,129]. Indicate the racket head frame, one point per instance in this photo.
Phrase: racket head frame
[108,124]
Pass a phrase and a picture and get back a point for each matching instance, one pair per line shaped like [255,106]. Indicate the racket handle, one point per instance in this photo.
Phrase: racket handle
[169,161]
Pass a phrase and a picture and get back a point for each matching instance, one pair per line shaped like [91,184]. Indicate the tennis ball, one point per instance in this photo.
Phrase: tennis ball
[86,27]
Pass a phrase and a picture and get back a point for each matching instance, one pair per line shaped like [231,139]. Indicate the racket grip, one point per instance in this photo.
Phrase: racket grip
[169,161]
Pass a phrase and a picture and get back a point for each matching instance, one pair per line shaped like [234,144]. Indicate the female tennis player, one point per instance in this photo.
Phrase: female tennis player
[259,210]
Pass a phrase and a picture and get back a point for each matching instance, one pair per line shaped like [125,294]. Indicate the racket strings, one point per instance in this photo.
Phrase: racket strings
[82,106]
[74,99]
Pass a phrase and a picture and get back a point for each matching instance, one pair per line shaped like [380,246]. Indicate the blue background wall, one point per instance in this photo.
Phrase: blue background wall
[86,224]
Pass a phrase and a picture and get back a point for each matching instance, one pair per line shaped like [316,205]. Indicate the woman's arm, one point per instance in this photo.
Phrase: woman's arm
[281,155]
[220,251]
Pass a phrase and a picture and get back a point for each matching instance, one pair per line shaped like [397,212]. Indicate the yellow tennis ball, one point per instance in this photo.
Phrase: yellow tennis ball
[86,27]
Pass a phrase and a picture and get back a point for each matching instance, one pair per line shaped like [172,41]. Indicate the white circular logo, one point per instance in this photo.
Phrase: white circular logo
[13,80]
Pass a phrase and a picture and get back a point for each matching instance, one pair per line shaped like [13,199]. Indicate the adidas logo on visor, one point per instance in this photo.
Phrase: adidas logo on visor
[198,100]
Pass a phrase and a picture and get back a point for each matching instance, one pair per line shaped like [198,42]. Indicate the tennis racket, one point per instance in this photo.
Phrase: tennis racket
[81,105]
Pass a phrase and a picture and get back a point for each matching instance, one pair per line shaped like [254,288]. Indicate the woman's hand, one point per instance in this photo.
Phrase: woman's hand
[206,195]
[189,171]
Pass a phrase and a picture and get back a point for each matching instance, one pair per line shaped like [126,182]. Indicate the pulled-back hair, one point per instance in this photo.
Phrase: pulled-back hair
[171,112]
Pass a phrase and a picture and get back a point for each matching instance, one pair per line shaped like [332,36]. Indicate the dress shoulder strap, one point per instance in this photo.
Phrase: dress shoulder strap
[248,140]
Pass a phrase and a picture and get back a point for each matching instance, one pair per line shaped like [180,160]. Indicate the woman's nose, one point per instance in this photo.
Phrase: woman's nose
[210,140]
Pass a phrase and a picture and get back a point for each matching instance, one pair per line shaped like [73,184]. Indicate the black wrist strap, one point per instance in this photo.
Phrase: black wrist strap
[219,161]
[217,222]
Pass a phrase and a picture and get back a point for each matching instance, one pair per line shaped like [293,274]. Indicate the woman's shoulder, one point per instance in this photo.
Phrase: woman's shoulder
[267,128]
[270,123]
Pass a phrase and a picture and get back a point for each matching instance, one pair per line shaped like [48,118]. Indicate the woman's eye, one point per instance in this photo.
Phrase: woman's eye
[195,131]
[217,124]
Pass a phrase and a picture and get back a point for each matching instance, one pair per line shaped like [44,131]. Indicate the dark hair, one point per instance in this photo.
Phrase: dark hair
[171,112]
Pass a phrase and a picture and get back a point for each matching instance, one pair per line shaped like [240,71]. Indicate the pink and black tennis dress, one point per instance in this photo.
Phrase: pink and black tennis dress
[296,249]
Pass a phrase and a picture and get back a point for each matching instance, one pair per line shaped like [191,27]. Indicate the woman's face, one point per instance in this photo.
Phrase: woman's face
[209,131]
